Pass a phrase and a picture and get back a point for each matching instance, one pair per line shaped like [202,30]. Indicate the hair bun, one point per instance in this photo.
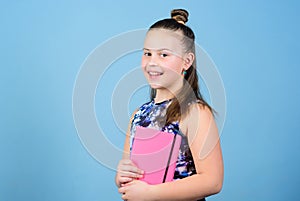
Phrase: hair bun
[180,15]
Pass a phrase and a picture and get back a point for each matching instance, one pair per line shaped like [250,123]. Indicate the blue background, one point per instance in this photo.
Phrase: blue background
[255,46]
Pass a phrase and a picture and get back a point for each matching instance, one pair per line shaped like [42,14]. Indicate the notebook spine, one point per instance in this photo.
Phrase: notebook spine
[169,159]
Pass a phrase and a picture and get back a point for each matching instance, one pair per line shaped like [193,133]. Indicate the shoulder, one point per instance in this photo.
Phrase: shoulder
[145,106]
[198,109]
[141,109]
[198,116]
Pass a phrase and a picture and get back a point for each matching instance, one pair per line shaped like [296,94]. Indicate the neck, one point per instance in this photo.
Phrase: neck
[162,95]
[169,92]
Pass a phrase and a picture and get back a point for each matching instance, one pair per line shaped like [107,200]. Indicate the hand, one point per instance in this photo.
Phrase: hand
[127,172]
[135,190]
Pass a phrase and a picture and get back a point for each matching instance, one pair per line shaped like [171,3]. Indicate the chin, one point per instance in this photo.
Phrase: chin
[155,85]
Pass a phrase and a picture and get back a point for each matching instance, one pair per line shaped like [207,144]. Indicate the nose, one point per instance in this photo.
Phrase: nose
[153,60]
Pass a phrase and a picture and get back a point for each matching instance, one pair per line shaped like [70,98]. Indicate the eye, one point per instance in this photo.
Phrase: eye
[163,55]
[148,54]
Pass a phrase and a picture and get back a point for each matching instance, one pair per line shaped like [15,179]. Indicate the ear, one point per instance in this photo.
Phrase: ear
[188,60]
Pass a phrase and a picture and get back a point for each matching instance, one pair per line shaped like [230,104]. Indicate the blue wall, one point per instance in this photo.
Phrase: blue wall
[255,46]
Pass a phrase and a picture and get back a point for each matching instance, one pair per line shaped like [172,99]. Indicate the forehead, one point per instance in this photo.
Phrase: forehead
[163,39]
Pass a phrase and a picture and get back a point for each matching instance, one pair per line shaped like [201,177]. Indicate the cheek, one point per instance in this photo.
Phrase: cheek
[174,65]
[144,62]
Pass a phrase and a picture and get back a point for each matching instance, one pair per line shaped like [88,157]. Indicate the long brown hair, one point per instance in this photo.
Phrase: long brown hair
[190,91]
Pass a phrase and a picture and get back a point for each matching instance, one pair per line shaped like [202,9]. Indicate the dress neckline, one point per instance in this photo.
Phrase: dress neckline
[161,102]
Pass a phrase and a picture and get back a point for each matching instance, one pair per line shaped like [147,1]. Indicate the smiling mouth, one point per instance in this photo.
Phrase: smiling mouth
[153,73]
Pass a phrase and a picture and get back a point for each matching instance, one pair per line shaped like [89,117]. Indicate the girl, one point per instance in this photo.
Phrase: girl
[176,106]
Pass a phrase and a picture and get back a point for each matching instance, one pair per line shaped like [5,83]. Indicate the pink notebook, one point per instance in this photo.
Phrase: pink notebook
[156,153]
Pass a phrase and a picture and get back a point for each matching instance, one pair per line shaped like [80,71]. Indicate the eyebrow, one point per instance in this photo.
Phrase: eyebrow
[158,49]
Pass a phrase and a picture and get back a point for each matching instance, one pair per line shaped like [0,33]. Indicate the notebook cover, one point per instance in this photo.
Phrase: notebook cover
[151,151]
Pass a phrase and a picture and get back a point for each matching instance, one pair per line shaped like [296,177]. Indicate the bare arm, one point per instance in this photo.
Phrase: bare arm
[205,147]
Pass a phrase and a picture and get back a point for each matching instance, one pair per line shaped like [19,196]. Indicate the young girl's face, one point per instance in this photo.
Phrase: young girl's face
[162,61]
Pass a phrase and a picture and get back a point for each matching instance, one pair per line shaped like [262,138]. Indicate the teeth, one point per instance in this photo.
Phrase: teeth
[154,73]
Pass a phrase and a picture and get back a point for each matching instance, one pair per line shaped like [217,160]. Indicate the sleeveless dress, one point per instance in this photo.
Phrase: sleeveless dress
[153,115]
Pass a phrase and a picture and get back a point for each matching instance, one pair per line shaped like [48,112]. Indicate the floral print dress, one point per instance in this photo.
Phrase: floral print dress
[152,115]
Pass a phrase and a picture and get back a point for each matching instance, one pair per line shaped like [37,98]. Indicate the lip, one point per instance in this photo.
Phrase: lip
[154,73]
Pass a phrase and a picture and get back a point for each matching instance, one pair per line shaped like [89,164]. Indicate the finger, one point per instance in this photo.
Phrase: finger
[124,197]
[128,183]
[125,179]
[130,168]
[128,165]
[130,175]
[122,190]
